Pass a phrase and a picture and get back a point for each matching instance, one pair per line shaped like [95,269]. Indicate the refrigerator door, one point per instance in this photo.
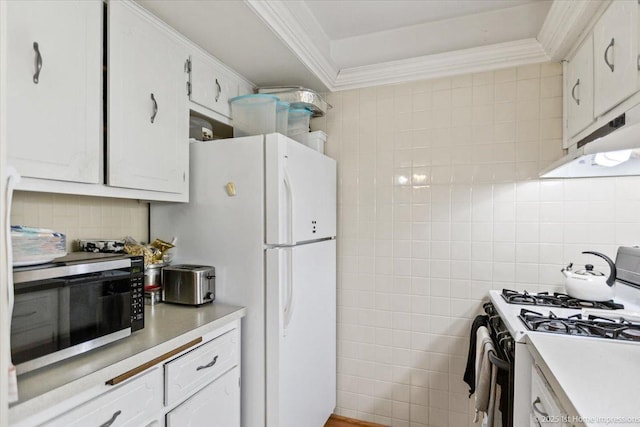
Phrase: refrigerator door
[300,189]
[301,334]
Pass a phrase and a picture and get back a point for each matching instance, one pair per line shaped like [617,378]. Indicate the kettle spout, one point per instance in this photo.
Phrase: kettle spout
[567,270]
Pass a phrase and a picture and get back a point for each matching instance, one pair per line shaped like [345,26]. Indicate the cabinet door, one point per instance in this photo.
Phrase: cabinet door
[211,87]
[216,405]
[579,88]
[54,91]
[615,40]
[148,140]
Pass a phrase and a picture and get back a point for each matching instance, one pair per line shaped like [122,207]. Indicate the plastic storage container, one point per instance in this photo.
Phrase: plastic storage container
[253,114]
[315,140]
[298,122]
[282,117]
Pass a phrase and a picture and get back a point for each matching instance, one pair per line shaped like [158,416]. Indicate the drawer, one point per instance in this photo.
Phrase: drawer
[545,409]
[216,405]
[200,366]
[135,403]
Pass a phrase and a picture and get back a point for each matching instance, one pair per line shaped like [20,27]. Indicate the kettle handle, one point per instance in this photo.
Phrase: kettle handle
[612,266]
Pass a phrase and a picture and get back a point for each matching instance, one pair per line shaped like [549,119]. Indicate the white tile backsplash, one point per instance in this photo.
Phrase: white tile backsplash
[439,202]
[82,217]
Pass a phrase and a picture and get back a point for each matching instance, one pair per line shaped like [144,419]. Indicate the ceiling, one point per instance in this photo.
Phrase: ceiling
[330,45]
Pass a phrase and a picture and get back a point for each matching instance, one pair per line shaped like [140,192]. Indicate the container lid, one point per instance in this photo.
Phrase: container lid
[281,105]
[300,111]
[254,98]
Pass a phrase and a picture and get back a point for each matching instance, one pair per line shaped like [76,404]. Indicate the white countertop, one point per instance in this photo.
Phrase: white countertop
[167,327]
[595,378]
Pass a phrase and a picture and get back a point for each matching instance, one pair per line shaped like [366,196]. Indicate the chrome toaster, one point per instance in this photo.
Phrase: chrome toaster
[189,284]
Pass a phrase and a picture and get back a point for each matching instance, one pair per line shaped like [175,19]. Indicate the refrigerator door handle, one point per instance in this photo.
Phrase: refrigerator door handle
[289,219]
[288,294]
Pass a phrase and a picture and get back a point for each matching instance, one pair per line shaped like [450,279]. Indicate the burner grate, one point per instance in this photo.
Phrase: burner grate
[556,299]
[593,326]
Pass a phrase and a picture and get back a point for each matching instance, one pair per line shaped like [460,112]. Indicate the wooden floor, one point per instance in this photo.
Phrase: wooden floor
[339,421]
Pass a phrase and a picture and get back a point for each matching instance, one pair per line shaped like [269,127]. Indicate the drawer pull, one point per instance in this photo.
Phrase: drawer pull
[155,108]
[112,420]
[36,76]
[573,92]
[208,365]
[606,55]
[219,90]
[534,405]
[149,364]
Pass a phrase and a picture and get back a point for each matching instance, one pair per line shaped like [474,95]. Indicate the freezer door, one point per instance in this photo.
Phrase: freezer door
[300,192]
[301,334]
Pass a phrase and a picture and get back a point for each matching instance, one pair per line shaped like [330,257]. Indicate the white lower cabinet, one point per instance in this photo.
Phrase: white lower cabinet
[545,408]
[196,388]
[136,403]
[216,405]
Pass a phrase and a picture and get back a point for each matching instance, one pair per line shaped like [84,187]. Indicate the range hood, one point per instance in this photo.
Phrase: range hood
[611,150]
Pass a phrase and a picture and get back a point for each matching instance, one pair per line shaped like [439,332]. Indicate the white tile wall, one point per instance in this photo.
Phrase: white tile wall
[438,203]
[82,217]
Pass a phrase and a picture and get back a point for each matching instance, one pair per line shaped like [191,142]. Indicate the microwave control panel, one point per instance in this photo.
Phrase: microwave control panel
[137,293]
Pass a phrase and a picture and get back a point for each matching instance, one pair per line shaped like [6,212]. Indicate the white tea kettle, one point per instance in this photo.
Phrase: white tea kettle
[589,284]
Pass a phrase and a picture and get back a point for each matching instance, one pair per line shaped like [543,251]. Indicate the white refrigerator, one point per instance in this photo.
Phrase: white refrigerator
[262,211]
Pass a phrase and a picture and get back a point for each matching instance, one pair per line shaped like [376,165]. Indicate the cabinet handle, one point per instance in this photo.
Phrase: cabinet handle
[155,108]
[606,55]
[208,365]
[36,76]
[112,419]
[573,92]
[534,405]
[219,90]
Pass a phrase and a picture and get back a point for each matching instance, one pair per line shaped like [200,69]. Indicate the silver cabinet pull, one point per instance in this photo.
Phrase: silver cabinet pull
[36,76]
[535,404]
[606,55]
[112,419]
[573,92]
[208,365]
[219,90]
[155,108]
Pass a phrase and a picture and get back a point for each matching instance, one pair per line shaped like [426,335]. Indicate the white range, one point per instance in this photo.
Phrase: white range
[568,325]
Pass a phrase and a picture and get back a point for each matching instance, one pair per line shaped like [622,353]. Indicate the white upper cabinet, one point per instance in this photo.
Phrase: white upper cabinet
[210,85]
[579,88]
[148,115]
[54,91]
[615,39]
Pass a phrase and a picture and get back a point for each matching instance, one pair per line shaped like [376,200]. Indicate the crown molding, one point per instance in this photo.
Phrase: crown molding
[307,43]
[565,24]
[278,16]
[464,61]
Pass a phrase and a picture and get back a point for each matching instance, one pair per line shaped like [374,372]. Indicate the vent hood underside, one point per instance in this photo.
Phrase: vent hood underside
[615,153]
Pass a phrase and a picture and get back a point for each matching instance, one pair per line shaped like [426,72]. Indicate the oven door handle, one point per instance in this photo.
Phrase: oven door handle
[499,363]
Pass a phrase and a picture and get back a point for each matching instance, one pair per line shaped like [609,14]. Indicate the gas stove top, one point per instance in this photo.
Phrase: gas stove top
[580,325]
[557,305]
[571,316]
[556,299]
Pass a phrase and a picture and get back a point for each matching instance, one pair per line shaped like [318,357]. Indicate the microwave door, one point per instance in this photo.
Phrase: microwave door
[99,305]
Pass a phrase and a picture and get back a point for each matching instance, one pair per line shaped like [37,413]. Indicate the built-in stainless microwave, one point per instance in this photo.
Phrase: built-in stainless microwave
[73,305]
